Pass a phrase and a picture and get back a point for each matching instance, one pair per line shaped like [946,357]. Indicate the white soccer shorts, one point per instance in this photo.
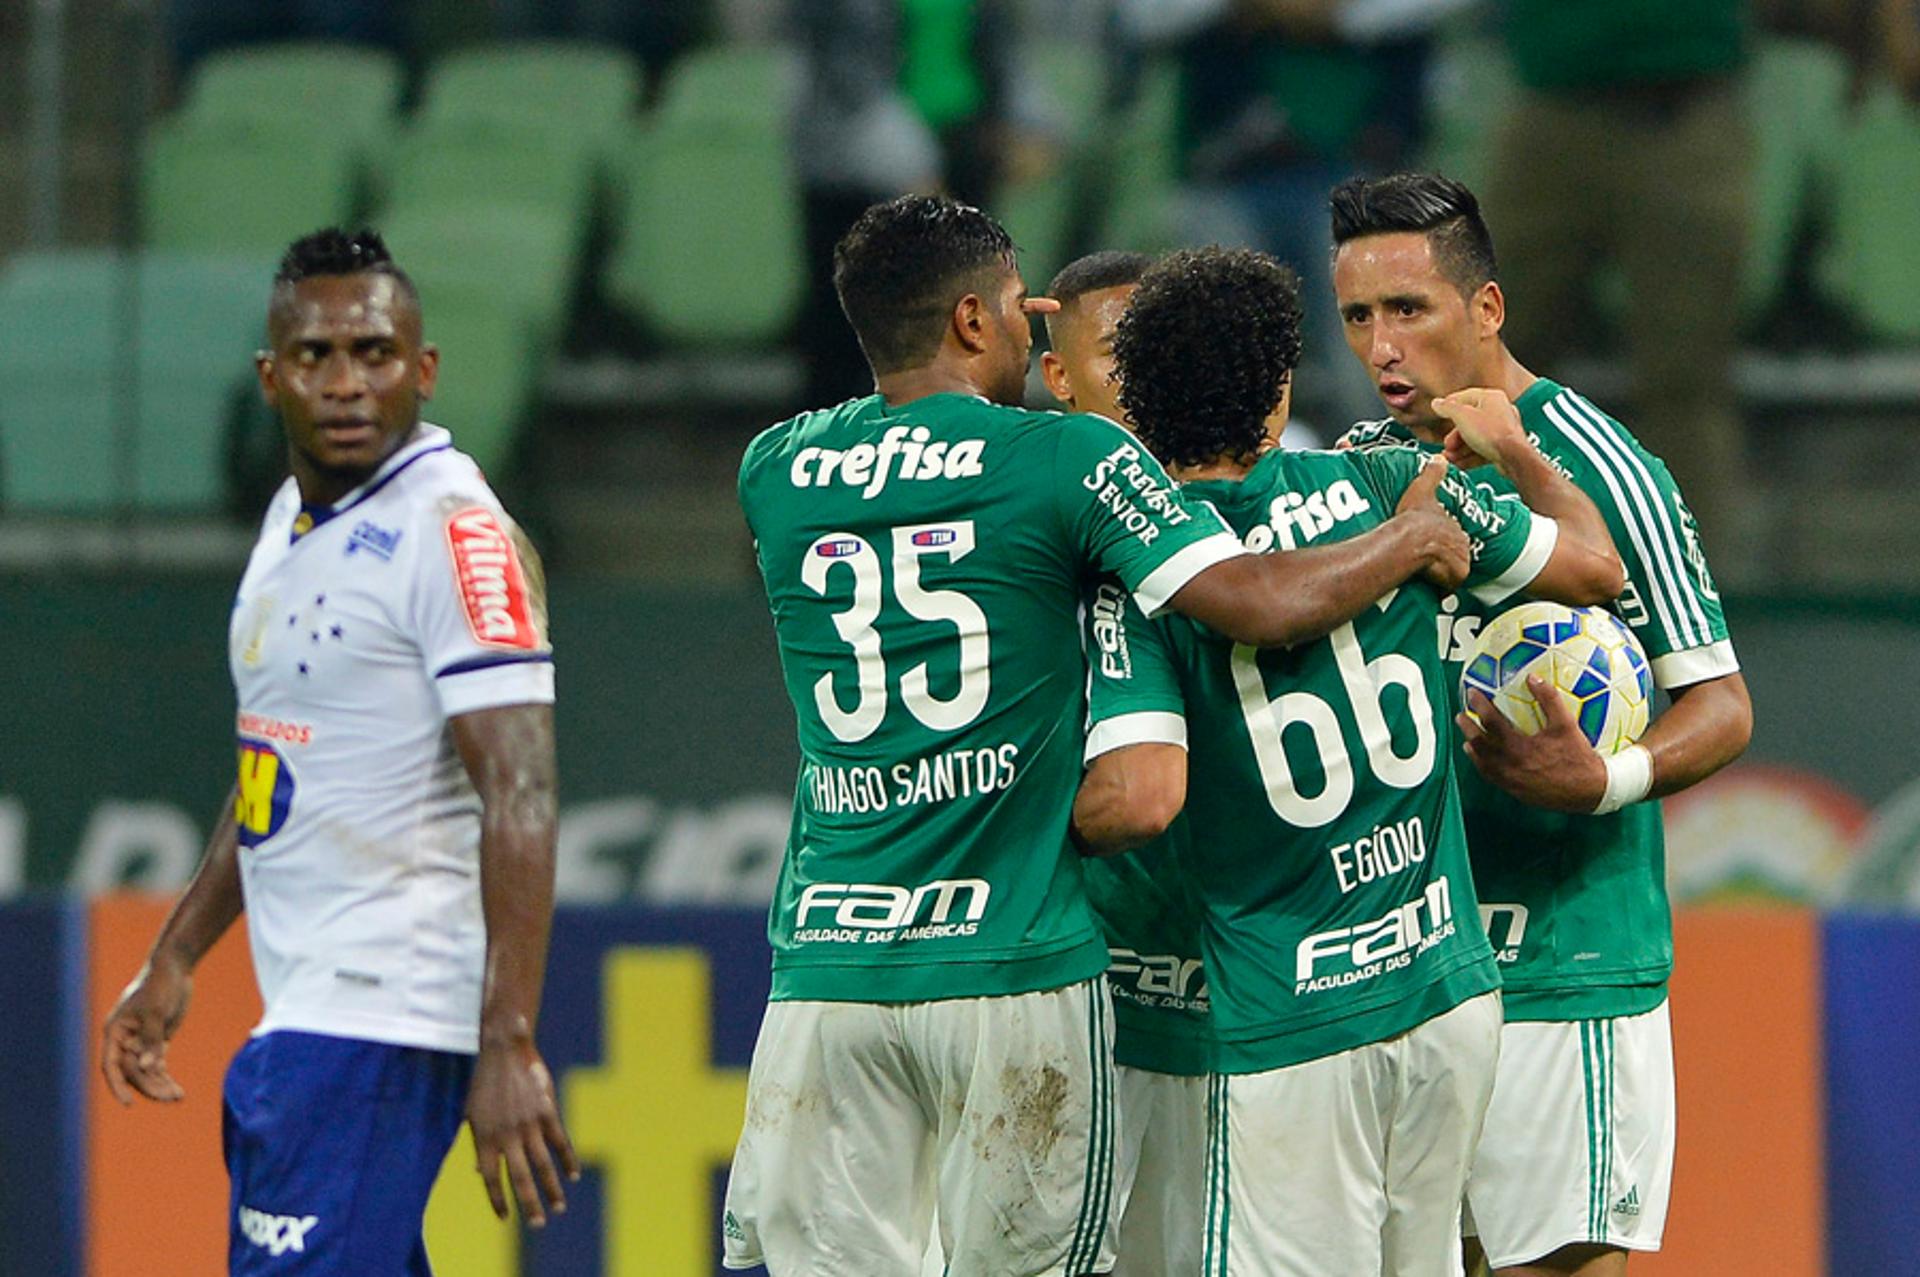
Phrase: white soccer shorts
[1159,1173]
[863,1118]
[1579,1139]
[1353,1163]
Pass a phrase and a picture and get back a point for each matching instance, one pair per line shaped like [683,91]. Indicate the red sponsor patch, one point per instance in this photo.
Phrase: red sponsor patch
[493,589]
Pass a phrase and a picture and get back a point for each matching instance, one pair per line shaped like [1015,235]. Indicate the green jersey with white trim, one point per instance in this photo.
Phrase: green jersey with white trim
[1147,908]
[1576,905]
[1325,843]
[925,565]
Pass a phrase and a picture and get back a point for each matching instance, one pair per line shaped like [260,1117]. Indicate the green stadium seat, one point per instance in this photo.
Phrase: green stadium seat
[350,87]
[737,83]
[521,259]
[239,187]
[489,369]
[118,374]
[707,249]
[1797,92]
[473,165]
[552,88]
[1872,262]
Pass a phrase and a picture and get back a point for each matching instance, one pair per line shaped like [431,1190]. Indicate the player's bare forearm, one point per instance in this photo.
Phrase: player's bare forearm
[211,902]
[1128,797]
[1278,600]
[1585,568]
[1707,727]
[509,754]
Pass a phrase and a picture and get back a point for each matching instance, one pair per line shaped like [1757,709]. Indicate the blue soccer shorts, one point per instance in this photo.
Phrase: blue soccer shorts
[332,1146]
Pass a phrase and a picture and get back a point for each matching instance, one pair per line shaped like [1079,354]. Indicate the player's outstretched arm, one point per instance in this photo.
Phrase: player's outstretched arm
[1585,566]
[133,1041]
[1277,600]
[1128,797]
[509,754]
[1707,727]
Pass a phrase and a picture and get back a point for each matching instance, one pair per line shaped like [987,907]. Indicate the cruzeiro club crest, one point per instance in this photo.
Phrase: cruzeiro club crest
[265,792]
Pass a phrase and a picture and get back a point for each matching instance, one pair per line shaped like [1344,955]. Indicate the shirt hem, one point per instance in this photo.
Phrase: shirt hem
[1542,538]
[939,978]
[1442,994]
[1143,727]
[1167,580]
[1695,665]
[379,1029]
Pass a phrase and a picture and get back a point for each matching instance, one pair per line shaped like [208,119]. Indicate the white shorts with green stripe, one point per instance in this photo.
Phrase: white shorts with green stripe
[1579,1139]
[1159,1173]
[978,1129]
[1353,1163]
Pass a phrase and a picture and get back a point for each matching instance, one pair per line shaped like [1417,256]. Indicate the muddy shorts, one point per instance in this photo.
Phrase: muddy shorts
[982,1127]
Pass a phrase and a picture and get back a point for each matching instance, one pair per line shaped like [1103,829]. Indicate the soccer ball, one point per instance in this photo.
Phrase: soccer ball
[1594,661]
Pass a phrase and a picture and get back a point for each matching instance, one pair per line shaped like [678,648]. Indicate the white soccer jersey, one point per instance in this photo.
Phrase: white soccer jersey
[353,642]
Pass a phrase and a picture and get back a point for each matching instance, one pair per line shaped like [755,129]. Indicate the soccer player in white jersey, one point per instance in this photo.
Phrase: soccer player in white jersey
[1573,1170]
[391,834]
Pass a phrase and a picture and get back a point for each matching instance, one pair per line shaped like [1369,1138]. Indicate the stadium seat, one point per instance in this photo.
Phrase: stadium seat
[489,367]
[551,88]
[118,375]
[1797,93]
[235,186]
[472,165]
[520,259]
[738,83]
[1872,263]
[707,250]
[351,87]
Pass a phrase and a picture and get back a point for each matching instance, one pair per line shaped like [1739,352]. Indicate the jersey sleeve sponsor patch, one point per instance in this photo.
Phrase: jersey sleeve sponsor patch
[492,584]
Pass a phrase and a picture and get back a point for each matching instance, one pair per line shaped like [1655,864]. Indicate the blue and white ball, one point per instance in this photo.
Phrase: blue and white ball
[1585,652]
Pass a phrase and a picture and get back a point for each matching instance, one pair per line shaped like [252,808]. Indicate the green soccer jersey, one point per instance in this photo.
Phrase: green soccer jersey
[1576,905]
[1325,843]
[1152,924]
[925,565]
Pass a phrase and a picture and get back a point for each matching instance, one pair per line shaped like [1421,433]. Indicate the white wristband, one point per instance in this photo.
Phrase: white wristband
[1629,777]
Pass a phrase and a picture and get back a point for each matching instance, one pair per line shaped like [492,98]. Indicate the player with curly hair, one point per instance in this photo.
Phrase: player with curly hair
[1354,998]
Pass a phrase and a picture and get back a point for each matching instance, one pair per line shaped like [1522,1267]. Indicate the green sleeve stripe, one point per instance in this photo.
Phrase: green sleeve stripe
[1659,556]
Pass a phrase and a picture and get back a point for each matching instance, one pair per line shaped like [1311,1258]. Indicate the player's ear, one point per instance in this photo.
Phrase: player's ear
[429,374]
[269,377]
[970,323]
[1053,371]
[1490,308]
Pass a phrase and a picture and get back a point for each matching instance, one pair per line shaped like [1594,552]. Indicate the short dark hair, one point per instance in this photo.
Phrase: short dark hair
[334,251]
[1443,210]
[904,265]
[1204,352]
[1096,272]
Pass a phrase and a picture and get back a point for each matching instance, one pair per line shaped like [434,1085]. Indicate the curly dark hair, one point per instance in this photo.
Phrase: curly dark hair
[1443,210]
[332,251]
[904,265]
[1205,350]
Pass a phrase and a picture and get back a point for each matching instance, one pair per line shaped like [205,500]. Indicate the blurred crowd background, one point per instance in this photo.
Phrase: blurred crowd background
[620,214]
